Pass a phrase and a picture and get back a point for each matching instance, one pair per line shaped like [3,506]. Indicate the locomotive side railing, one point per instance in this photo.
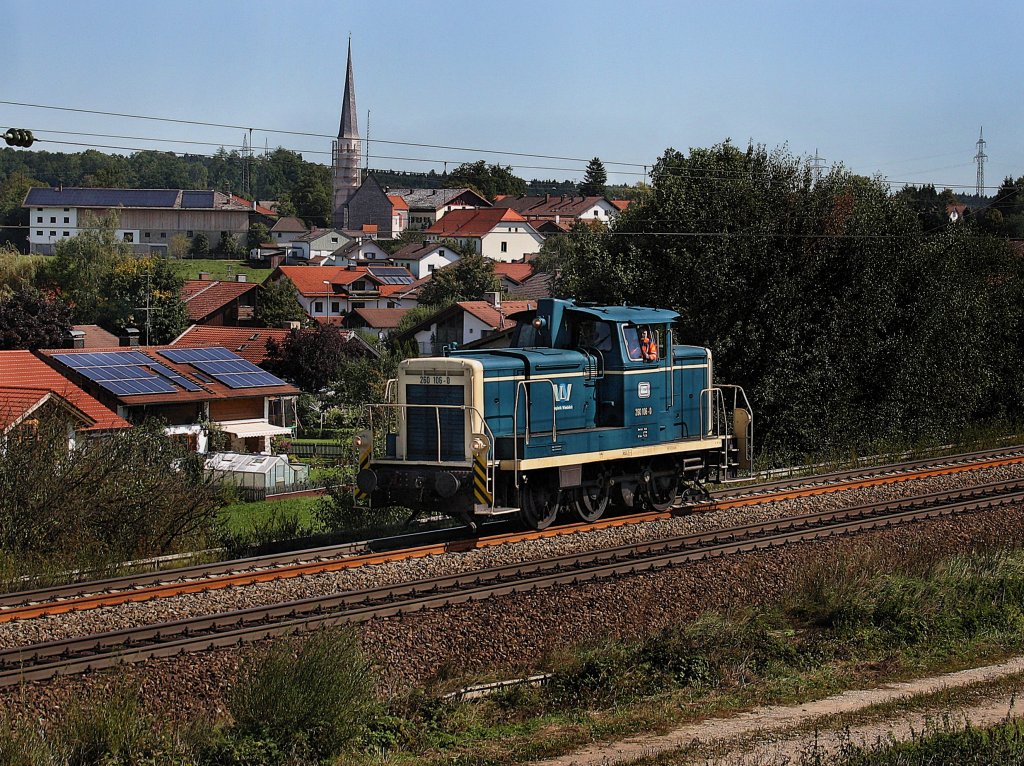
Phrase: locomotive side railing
[716,404]
[523,385]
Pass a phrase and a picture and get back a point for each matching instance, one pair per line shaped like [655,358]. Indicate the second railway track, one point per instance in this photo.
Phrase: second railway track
[46,660]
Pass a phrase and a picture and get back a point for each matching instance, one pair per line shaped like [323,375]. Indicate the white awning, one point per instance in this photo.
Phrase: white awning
[246,428]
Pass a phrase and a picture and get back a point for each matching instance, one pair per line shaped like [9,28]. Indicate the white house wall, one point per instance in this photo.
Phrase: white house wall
[519,240]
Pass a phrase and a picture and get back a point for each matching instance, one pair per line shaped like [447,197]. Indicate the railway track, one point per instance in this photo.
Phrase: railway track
[241,572]
[47,660]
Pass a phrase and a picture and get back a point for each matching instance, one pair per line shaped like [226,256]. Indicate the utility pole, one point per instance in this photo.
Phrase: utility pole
[817,165]
[147,308]
[980,158]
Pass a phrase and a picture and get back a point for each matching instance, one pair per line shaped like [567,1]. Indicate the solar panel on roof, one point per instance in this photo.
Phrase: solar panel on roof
[174,377]
[190,355]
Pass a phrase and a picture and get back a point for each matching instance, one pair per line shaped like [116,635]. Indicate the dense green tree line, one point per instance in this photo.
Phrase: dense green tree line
[848,322]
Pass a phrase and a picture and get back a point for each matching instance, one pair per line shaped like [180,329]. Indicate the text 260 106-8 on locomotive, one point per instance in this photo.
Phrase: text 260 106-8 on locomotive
[589,407]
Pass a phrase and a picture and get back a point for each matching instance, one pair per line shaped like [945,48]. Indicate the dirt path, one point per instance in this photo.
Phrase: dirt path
[771,728]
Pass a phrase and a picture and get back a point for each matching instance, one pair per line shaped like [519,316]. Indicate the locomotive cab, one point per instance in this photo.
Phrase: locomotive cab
[589,407]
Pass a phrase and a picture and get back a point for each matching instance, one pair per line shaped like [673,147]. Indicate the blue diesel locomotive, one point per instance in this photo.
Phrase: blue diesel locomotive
[590,406]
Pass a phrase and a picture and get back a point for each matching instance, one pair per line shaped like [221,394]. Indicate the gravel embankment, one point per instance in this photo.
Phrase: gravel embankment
[510,633]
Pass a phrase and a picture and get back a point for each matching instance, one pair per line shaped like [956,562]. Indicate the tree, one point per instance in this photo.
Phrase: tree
[311,359]
[228,245]
[12,193]
[200,245]
[468,279]
[311,197]
[594,180]
[279,303]
[258,234]
[486,180]
[136,283]
[29,320]
[180,247]
[83,264]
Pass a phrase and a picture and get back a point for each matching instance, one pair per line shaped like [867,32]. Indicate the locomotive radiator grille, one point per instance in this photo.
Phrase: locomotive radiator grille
[422,423]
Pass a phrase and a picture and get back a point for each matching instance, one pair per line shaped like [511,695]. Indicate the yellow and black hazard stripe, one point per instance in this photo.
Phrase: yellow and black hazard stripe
[364,463]
[480,491]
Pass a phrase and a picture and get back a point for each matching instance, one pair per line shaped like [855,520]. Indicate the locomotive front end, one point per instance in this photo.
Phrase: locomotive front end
[430,447]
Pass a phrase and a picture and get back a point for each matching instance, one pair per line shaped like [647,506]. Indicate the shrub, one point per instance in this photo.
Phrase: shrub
[314,694]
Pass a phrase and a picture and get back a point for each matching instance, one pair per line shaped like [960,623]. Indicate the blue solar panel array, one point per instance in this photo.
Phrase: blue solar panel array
[224,366]
[78,197]
[122,373]
[392,275]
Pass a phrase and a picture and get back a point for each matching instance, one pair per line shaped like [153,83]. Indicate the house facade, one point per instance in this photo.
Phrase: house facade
[428,206]
[148,219]
[425,258]
[463,323]
[329,294]
[497,233]
[561,210]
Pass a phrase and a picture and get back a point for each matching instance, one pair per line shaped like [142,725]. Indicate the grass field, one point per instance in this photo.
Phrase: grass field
[244,518]
[217,268]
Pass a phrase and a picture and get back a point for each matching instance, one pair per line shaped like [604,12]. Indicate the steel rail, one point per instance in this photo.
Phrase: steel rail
[244,626]
[241,572]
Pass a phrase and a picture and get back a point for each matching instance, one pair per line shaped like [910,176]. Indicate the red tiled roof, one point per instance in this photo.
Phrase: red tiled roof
[387,290]
[397,202]
[22,369]
[473,223]
[257,208]
[16,403]
[250,343]
[370,228]
[518,272]
[203,297]
[208,389]
[381,319]
[289,223]
[96,336]
[309,280]
[495,318]
[621,204]
[550,205]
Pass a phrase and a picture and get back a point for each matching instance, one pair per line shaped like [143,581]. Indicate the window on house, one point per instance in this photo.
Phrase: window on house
[318,307]
[128,237]
[67,219]
[359,305]
[39,233]
[188,233]
[53,234]
[504,247]
[67,210]
[431,267]
[67,234]
[360,285]
[392,305]
[335,307]
[146,235]
[334,239]
[39,209]
[163,235]
[53,219]
[39,219]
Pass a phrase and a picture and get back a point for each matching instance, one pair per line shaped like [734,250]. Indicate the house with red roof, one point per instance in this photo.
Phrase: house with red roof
[30,388]
[424,258]
[463,323]
[497,233]
[428,206]
[329,293]
[250,343]
[217,302]
[559,209]
[186,388]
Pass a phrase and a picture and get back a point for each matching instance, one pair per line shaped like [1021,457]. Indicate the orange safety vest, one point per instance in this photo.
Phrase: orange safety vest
[649,349]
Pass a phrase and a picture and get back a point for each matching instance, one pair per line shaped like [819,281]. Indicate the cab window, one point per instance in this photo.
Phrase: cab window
[643,343]
[596,335]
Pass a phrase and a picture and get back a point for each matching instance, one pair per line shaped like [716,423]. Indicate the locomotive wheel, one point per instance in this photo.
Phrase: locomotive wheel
[660,491]
[539,502]
[591,502]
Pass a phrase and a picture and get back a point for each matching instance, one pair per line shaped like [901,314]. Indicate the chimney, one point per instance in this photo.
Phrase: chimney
[241,278]
[547,199]
[76,339]
[204,275]
[130,337]
[254,204]
[493,298]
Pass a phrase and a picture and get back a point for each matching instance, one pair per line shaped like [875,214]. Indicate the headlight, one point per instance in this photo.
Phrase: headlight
[479,444]
[357,442]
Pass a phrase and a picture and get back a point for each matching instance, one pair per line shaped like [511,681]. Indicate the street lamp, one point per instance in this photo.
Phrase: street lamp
[329,293]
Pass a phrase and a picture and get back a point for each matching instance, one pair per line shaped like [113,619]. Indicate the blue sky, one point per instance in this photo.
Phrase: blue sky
[897,88]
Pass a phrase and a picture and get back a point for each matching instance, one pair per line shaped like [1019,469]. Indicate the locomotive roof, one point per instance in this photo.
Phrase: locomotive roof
[618,314]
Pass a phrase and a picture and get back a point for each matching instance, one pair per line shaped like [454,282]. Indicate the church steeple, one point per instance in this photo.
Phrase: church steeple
[346,150]
[349,125]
